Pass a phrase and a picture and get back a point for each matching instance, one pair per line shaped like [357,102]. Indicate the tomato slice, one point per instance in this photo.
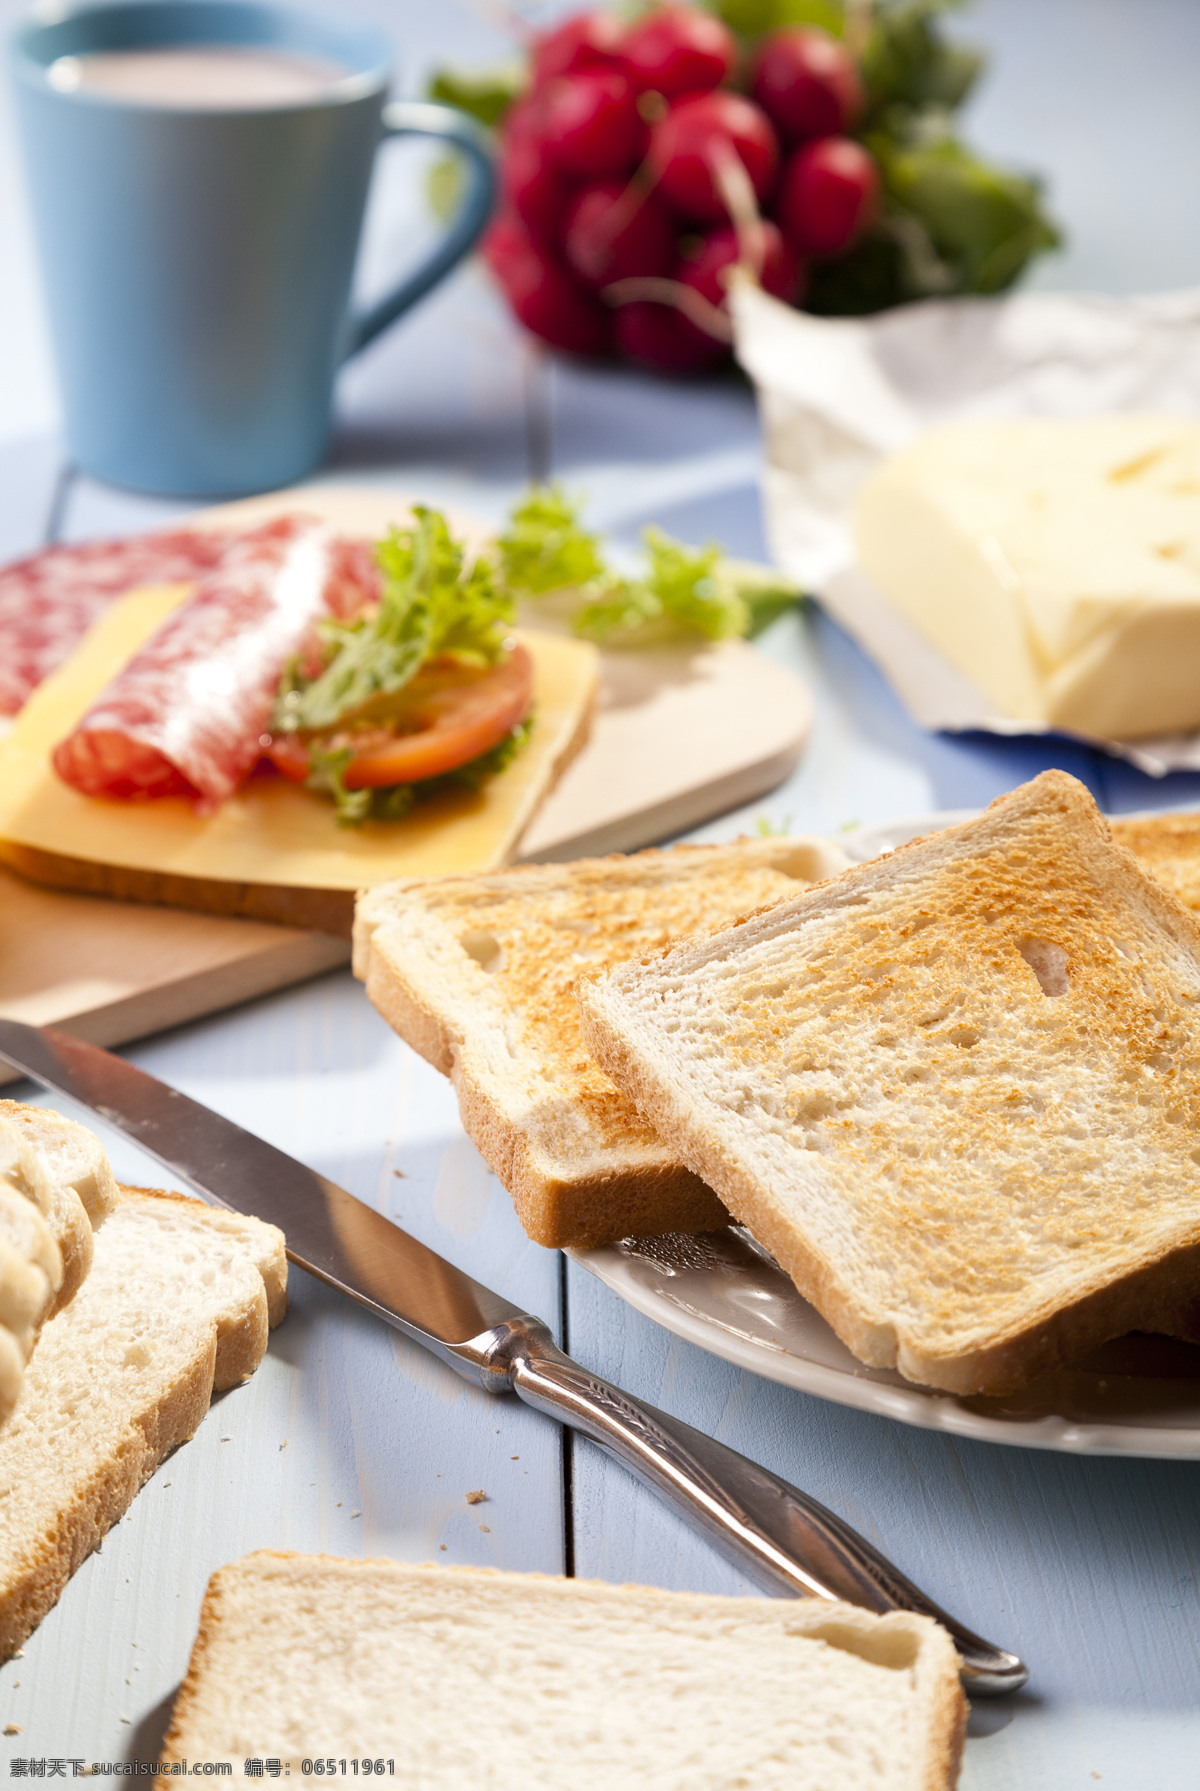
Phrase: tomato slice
[450,714]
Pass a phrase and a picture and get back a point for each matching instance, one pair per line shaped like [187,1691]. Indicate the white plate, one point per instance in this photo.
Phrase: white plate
[721,1290]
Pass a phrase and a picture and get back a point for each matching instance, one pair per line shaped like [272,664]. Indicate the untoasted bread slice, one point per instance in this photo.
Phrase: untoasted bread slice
[568,1683]
[478,975]
[55,1184]
[955,1092]
[83,1190]
[177,1306]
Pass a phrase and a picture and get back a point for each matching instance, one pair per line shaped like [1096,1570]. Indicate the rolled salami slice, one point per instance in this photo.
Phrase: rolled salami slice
[186,715]
[50,600]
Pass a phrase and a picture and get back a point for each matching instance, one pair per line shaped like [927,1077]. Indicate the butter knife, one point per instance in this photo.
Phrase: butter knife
[785,1540]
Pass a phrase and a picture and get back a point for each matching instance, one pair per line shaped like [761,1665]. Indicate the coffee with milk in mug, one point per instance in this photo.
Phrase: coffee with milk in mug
[213,77]
[198,176]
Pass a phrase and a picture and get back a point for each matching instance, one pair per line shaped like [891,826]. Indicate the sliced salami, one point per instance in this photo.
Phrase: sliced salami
[187,714]
[50,600]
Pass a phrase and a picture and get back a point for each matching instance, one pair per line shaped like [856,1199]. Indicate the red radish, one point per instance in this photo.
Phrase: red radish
[806,83]
[591,40]
[660,336]
[544,298]
[687,147]
[592,125]
[615,229]
[528,184]
[503,243]
[677,50]
[779,272]
[829,191]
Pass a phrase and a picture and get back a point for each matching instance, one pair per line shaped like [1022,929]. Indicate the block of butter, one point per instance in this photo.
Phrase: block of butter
[1054,561]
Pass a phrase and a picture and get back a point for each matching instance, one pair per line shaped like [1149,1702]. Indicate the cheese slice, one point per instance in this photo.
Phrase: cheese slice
[272,832]
[1055,561]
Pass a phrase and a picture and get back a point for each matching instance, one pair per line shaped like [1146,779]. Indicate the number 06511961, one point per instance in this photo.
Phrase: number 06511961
[323,1768]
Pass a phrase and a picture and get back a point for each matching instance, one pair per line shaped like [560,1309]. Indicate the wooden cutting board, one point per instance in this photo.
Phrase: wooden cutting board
[681,735]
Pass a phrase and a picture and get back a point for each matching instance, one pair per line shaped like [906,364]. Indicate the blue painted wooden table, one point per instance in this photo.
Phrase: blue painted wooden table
[349,1439]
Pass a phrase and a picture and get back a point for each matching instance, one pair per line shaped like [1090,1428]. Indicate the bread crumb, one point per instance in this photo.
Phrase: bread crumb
[12,1729]
[442,1546]
[475,1498]
[283,1445]
[486,1530]
[356,1514]
[399,1173]
[514,1458]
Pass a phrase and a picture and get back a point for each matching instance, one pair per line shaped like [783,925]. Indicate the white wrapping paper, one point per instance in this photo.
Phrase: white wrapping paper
[837,395]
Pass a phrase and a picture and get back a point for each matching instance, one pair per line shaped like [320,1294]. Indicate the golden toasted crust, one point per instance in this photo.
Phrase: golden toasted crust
[956,1093]
[222,1355]
[1168,846]
[478,975]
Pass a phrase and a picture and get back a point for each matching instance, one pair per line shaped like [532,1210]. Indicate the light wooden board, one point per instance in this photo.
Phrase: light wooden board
[113,971]
[681,735]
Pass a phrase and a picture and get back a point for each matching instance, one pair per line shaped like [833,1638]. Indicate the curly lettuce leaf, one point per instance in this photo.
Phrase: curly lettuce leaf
[545,548]
[429,606]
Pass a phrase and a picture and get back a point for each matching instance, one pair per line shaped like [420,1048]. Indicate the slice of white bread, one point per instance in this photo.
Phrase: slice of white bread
[956,1092]
[478,975]
[465,1679]
[177,1306]
[55,1185]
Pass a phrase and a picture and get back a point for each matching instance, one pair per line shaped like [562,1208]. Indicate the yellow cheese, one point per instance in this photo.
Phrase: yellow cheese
[1056,562]
[272,832]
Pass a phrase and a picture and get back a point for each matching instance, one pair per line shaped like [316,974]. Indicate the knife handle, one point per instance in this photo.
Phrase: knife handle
[786,1540]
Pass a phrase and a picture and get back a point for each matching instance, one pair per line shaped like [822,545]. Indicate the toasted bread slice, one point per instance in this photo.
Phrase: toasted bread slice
[478,975]
[176,1307]
[55,1185]
[569,1683]
[955,1092]
[1169,847]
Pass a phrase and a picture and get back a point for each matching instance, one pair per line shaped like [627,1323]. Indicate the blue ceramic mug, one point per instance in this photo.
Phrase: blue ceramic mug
[197,260]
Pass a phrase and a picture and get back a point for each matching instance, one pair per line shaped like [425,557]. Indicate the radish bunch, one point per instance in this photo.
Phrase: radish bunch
[635,176]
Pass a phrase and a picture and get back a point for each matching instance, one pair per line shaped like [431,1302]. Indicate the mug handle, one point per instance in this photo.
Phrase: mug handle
[415,118]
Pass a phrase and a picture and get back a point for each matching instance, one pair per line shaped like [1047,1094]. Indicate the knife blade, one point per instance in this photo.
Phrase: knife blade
[784,1538]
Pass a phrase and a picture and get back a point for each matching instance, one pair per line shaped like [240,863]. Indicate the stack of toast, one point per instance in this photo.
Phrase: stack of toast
[955,1092]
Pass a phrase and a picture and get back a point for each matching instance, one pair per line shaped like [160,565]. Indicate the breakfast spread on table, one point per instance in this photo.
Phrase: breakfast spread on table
[639,1045]
[945,1095]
